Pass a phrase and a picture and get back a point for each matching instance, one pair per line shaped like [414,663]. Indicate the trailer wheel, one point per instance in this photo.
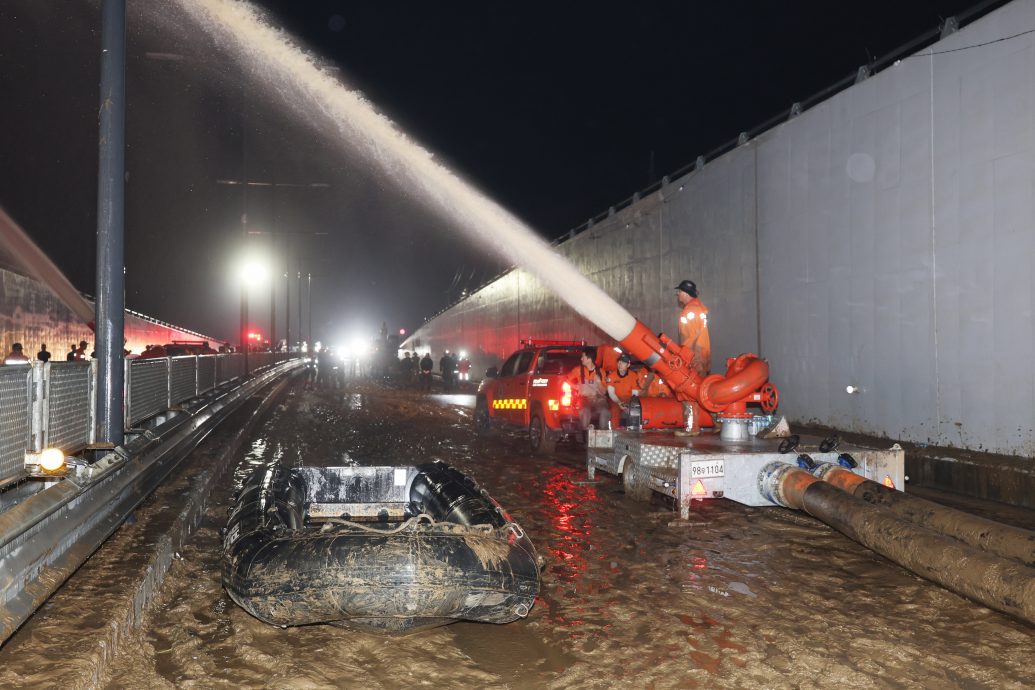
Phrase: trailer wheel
[635,481]
[482,421]
[539,437]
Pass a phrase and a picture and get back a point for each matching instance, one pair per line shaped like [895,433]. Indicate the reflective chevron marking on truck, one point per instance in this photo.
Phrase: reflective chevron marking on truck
[510,404]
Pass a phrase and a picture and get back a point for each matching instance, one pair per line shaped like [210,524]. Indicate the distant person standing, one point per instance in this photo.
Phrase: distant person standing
[463,368]
[16,356]
[80,353]
[446,366]
[70,357]
[43,355]
[426,365]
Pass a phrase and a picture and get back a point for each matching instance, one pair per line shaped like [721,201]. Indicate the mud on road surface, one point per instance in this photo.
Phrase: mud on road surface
[736,597]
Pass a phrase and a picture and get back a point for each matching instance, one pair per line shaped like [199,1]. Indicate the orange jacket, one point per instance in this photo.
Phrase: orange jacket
[589,384]
[693,333]
[624,387]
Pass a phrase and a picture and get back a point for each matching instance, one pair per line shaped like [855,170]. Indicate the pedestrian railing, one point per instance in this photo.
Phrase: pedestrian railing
[53,405]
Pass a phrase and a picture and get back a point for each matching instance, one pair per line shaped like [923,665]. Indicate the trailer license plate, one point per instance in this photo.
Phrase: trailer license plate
[705,469]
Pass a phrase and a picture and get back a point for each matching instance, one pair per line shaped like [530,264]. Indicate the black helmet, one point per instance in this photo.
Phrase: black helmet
[689,287]
[625,358]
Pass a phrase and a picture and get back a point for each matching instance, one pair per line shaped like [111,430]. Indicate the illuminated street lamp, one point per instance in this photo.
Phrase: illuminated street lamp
[251,271]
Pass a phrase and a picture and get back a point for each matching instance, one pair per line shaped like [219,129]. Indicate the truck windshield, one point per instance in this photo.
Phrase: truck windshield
[557,361]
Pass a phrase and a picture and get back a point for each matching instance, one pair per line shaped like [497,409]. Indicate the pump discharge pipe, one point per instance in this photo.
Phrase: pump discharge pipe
[1003,540]
[998,583]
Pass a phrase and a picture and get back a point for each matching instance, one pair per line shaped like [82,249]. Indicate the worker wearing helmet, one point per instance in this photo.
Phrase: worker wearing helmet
[693,327]
[622,385]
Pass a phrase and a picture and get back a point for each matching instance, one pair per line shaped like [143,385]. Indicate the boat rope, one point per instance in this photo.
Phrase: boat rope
[412,522]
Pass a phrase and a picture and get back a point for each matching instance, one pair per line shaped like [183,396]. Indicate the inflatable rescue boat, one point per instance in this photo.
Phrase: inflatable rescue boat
[389,549]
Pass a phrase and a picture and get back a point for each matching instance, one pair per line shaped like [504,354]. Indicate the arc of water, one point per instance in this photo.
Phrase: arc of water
[291,71]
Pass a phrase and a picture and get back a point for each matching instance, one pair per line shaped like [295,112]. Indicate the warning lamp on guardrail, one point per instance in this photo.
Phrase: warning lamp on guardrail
[52,459]
[47,463]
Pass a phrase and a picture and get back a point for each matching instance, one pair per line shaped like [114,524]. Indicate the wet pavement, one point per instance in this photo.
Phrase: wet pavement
[735,597]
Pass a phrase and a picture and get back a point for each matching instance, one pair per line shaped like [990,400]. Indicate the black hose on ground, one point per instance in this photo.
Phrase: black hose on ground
[998,583]
[1003,540]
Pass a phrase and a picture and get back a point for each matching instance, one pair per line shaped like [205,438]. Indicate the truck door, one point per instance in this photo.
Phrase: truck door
[502,401]
[521,387]
[511,402]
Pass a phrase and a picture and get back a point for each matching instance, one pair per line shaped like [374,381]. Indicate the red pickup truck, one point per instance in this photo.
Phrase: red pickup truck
[530,391]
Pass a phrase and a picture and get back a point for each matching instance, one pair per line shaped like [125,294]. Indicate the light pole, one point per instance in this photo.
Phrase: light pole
[251,272]
[111,300]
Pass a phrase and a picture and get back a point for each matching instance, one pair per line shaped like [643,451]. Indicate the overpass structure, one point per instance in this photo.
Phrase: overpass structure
[875,247]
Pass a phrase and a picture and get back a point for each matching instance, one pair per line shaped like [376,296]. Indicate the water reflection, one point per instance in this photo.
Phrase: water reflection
[458,399]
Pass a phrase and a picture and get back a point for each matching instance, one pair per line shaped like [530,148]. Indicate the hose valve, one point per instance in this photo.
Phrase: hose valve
[847,461]
[806,462]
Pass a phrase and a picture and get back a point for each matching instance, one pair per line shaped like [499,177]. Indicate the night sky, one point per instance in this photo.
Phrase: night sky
[555,109]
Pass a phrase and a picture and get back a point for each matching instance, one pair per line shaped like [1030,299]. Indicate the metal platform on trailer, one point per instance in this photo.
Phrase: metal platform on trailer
[701,467]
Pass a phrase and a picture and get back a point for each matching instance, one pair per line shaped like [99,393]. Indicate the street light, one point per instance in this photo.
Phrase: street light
[252,270]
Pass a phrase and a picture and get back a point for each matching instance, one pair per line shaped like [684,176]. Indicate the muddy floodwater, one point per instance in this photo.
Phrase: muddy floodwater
[630,597]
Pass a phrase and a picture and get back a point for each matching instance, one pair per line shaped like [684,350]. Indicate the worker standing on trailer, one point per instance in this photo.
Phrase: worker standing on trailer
[622,385]
[587,380]
[693,327]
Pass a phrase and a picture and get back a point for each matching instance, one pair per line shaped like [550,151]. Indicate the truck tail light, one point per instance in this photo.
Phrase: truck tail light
[566,394]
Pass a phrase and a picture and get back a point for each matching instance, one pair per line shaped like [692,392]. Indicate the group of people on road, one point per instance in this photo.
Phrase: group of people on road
[607,385]
[17,354]
[419,370]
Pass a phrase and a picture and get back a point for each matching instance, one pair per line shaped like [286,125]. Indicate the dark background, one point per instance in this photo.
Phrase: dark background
[555,109]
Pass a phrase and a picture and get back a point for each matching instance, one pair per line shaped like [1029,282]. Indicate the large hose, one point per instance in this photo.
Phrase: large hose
[1003,540]
[995,582]
[746,376]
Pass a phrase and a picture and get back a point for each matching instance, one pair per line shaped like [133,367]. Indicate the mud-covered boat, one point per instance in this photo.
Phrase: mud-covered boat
[391,549]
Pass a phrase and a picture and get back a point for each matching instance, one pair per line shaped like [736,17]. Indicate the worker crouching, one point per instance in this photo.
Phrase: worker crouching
[623,385]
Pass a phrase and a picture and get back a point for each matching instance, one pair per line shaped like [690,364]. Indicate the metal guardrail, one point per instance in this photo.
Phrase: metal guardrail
[48,535]
[53,405]
[206,379]
[183,379]
[15,416]
[147,388]
[66,406]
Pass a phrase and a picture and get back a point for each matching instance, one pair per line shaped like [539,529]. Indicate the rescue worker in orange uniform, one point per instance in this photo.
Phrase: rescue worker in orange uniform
[622,385]
[586,378]
[693,327]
